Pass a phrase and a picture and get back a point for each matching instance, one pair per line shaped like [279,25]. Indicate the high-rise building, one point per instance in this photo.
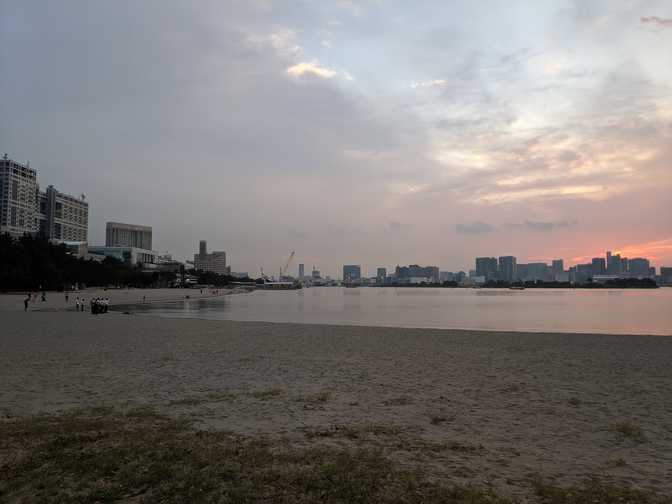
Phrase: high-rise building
[128,235]
[639,267]
[599,266]
[507,268]
[416,273]
[532,272]
[63,217]
[486,267]
[558,266]
[214,261]
[18,198]
[302,271]
[614,264]
[666,274]
[381,275]
[352,273]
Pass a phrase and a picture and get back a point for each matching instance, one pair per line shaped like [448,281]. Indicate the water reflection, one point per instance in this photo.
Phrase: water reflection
[559,310]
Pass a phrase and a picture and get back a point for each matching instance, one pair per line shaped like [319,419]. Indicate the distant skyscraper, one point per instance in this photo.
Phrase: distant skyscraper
[352,273]
[486,267]
[507,268]
[18,198]
[128,235]
[639,267]
[381,274]
[63,217]
[558,266]
[302,271]
[215,261]
[599,266]
[533,271]
[614,265]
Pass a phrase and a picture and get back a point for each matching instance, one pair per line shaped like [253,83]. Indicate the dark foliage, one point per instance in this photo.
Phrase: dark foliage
[31,263]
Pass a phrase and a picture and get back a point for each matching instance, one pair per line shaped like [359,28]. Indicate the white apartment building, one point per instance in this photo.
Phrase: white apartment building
[18,198]
[118,234]
[63,217]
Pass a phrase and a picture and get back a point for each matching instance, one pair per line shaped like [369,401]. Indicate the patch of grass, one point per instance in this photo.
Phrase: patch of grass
[116,457]
[265,395]
[186,401]
[143,412]
[356,431]
[320,397]
[627,430]
[398,401]
[196,400]
[221,396]
[616,462]
[594,491]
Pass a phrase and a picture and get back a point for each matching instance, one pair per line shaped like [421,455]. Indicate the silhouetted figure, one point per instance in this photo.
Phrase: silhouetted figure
[44,296]
[25,303]
[66,297]
[77,303]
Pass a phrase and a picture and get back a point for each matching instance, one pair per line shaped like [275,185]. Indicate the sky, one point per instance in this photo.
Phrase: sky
[373,132]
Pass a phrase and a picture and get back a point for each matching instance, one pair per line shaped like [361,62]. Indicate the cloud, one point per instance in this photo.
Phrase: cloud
[474,228]
[542,226]
[435,83]
[314,68]
[657,21]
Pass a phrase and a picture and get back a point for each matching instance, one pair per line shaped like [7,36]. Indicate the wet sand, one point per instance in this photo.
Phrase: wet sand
[467,406]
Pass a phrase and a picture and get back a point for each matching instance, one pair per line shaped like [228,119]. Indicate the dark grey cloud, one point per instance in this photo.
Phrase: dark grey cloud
[474,228]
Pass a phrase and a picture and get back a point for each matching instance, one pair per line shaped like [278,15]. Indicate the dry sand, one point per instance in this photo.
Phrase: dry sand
[476,407]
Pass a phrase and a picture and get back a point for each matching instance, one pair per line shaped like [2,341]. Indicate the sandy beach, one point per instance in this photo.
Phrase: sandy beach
[483,408]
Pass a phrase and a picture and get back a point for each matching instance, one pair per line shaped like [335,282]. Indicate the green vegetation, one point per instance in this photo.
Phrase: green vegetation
[594,491]
[30,263]
[265,395]
[626,430]
[104,455]
[320,397]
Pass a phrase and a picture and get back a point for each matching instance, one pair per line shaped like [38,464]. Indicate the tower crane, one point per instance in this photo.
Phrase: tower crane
[283,270]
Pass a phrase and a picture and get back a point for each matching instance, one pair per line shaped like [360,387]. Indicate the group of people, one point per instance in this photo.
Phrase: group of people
[99,305]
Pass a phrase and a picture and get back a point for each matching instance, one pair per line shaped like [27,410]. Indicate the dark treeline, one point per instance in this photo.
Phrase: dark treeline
[212,278]
[29,263]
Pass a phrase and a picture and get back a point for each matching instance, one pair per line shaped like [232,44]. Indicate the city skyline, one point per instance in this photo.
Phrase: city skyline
[370,133]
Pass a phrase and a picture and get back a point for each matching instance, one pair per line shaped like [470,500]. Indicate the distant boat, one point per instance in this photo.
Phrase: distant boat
[516,287]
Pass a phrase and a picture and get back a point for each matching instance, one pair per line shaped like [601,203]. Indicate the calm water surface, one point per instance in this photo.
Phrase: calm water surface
[552,310]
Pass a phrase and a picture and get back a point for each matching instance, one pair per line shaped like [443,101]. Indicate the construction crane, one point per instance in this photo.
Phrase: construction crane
[283,270]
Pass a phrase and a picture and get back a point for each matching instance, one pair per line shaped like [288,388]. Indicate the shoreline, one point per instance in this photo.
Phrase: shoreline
[412,328]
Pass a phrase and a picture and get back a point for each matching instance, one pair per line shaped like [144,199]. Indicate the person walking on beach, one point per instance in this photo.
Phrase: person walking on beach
[44,296]
[83,303]
[66,297]
[77,303]
[25,303]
